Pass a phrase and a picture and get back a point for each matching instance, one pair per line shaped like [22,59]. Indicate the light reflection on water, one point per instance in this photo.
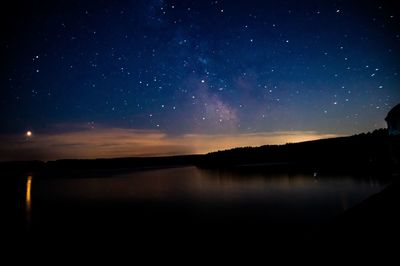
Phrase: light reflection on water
[299,198]
[28,201]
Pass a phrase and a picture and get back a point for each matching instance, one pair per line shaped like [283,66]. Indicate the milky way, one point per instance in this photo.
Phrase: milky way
[195,68]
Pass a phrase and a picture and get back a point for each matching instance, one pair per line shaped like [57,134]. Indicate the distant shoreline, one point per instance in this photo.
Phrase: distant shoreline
[375,152]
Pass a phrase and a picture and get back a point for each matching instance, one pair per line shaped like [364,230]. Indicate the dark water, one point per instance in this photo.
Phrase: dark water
[185,201]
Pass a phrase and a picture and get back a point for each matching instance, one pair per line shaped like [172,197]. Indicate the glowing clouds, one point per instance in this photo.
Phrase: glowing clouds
[204,143]
[105,142]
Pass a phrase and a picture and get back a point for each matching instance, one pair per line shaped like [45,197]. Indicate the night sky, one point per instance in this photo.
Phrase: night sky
[140,78]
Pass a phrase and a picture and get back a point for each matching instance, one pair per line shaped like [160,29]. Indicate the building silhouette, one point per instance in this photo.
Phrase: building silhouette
[393,121]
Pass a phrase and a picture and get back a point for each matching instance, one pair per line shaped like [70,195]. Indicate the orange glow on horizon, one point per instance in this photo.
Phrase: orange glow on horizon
[88,143]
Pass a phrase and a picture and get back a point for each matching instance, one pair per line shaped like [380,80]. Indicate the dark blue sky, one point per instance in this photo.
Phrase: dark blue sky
[199,67]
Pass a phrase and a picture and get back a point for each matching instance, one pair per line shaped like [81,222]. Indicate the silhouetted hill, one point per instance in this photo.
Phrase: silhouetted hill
[376,151]
[371,151]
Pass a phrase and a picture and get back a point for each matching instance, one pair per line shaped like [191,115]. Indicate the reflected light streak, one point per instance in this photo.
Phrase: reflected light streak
[28,201]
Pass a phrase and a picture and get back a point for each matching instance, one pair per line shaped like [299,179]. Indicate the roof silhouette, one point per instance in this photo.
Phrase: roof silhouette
[394,113]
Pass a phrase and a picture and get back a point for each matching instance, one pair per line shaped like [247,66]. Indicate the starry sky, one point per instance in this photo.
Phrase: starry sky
[158,77]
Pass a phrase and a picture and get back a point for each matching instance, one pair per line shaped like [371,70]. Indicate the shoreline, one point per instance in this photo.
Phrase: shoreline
[372,223]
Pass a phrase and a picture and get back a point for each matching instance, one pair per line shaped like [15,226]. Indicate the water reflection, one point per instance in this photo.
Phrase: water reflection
[193,184]
[179,183]
[181,196]
[28,201]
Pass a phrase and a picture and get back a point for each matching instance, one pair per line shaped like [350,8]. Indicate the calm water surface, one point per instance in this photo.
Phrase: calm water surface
[188,196]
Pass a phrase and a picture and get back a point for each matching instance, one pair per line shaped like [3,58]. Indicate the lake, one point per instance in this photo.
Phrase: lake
[186,201]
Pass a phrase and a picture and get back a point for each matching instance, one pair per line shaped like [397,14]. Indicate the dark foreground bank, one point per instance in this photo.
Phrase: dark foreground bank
[373,223]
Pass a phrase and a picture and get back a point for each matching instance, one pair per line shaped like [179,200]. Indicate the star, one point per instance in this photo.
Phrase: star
[174,64]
